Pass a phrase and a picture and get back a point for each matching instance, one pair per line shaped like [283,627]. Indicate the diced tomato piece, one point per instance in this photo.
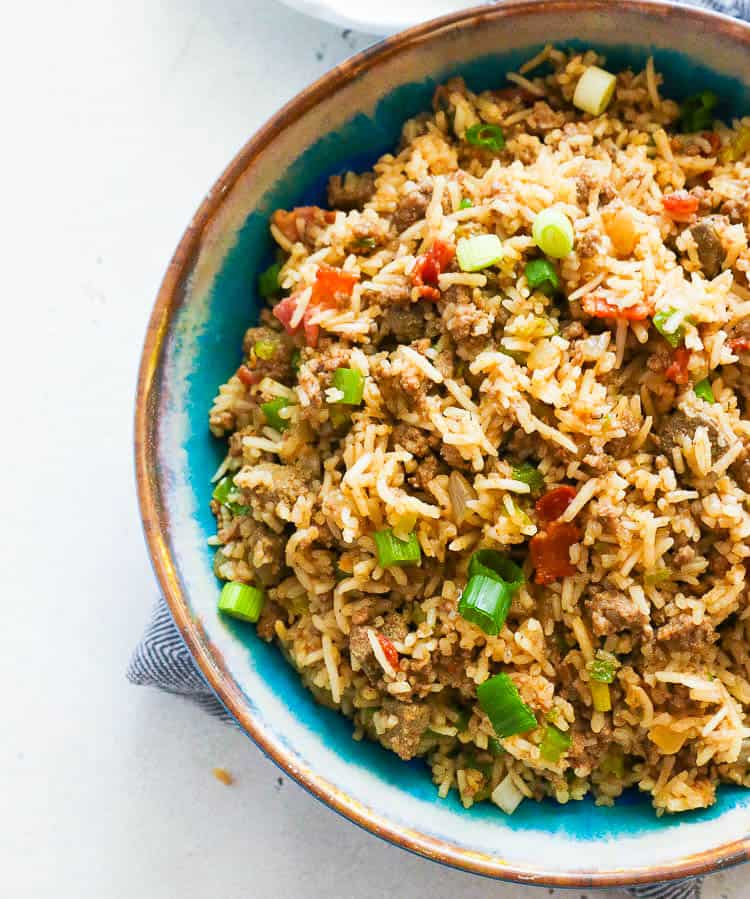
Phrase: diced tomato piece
[551,506]
[739,344]
[294,222]
[284,311]
[680,205]
[677,371]
[247,376]
[332,286]
[550,551]
[429,266]
[598,307]
[389,651]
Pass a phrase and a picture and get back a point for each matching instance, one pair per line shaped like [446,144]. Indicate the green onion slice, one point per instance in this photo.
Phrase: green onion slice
[670,323]
[657,576]
[268,281]
[553,233]
[485,602]
[600,696]
[488,137]
[466,203]
[495,747]
[541,275]
[500,701]
[555,743]
[704,391]
[271,410]
[477,253]
[529,474]
[241,601]
[594,90]
[351,383]
[491,563]
[696,113]
[602,668]
[393,551]
[223,490]
[365,243]
[265,349]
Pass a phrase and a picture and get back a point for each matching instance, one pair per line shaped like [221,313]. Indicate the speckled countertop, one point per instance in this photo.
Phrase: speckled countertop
[123,114]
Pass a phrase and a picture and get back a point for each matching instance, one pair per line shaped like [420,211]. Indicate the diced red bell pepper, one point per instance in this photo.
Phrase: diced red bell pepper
[429,267]
[551,506]
[677,371]
[550,551]
[597,307]
[247,376]
[739,344]
[389,651]
[680,205]
[332,287]
[288,221]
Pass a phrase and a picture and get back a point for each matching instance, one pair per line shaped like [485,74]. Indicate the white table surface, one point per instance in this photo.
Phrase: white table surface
[119,115]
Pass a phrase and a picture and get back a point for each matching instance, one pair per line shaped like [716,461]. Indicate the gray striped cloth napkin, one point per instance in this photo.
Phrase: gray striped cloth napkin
[162,660]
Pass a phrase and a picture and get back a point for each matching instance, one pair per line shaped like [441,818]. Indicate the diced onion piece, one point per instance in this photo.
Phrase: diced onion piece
[241,601]
[461,493]
[594,90]
[507,796]
[477,253]
[600,696]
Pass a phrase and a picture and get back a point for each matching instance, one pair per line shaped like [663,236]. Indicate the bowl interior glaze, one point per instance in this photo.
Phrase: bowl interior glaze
[208,298]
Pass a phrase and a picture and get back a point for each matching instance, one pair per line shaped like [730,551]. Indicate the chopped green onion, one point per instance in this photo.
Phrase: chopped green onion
[392,551]
[296,360]
[265,349]
[223,489]
[477,253]
[488,137]
[554,743]
[600,696]
[613,763]
[485,602]
[241,601]
[594,90]
[466,203]
[351,383]
[541,274]
[365,243]
[462,722]
[602,668]
[553,233]
[529,474]
[658,576]
[271,410]
[670,323]
[696,113]
[508,713]
[268,281]
[490,563]
[495,747]
[704,391]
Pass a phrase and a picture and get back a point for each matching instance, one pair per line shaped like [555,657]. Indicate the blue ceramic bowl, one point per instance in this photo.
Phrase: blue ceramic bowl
[347,119]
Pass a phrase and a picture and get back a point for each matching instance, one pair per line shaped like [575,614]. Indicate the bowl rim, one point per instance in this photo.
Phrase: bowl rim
[170,298]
